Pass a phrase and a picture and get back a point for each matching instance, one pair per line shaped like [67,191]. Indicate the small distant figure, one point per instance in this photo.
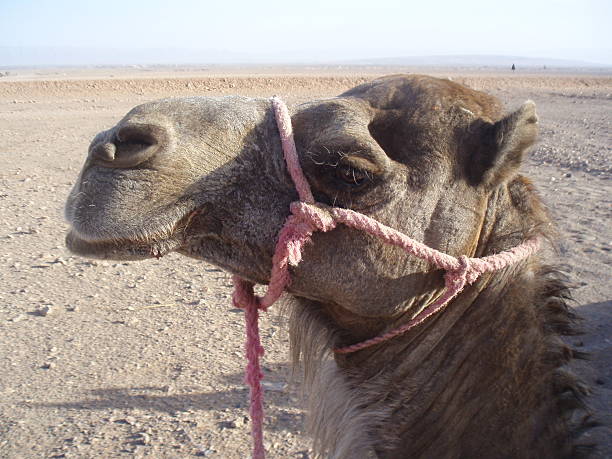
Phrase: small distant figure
[513,68]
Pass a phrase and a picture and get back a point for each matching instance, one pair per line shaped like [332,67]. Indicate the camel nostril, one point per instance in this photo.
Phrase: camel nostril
[104,151]
[131,145]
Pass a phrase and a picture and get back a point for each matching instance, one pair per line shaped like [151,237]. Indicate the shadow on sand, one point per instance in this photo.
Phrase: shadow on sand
[164,399]
[596,372]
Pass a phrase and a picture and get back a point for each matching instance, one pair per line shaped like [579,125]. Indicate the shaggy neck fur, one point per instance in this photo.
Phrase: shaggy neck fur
[498,341]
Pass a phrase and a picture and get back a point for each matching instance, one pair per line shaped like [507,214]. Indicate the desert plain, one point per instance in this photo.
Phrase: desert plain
[104,359]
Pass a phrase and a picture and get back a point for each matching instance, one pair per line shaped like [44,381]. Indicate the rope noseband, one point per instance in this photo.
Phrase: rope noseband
[308,216]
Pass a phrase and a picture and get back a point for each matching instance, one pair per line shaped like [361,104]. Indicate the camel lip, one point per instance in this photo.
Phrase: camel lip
[137,247]
[120,249]
[129,248]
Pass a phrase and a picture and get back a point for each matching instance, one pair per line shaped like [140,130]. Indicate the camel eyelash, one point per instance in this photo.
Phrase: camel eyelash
[353,176]
[346,175]
[314,157]
[340,155]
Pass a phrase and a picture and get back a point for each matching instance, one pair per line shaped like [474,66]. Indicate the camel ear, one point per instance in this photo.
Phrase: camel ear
[499,147]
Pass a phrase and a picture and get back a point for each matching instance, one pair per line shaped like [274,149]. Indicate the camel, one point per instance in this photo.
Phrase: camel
[438,161]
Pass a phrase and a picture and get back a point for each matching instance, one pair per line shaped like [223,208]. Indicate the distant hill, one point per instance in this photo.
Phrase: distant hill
[75,56]
[473,61]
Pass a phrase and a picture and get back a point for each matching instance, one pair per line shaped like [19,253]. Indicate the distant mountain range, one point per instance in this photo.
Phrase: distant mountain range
[475,61]
[66,56]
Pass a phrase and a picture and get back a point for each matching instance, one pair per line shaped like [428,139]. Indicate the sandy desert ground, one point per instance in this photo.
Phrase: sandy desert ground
[106,359]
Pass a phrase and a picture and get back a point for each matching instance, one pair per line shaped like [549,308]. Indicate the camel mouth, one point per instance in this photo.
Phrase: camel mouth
[138,247]
[120,249]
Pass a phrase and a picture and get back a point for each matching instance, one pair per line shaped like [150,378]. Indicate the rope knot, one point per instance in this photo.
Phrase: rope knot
[317,217]
[244,295]
[465,274]
[473,268]
[456,278]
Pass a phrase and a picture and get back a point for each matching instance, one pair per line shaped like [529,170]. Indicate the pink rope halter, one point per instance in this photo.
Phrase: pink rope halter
[306,217]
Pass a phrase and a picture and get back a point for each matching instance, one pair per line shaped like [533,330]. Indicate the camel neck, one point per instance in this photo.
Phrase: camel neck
[478,349]
[414,346]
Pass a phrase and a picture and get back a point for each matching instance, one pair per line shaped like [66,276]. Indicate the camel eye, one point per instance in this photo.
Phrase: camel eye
[351,176]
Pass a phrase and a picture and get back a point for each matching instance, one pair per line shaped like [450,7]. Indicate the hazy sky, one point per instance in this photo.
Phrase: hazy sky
[322,30]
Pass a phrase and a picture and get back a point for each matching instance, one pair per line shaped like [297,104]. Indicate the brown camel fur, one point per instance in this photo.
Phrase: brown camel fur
[427,156]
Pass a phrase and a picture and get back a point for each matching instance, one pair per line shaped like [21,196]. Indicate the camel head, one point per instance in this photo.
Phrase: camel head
[206,177]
